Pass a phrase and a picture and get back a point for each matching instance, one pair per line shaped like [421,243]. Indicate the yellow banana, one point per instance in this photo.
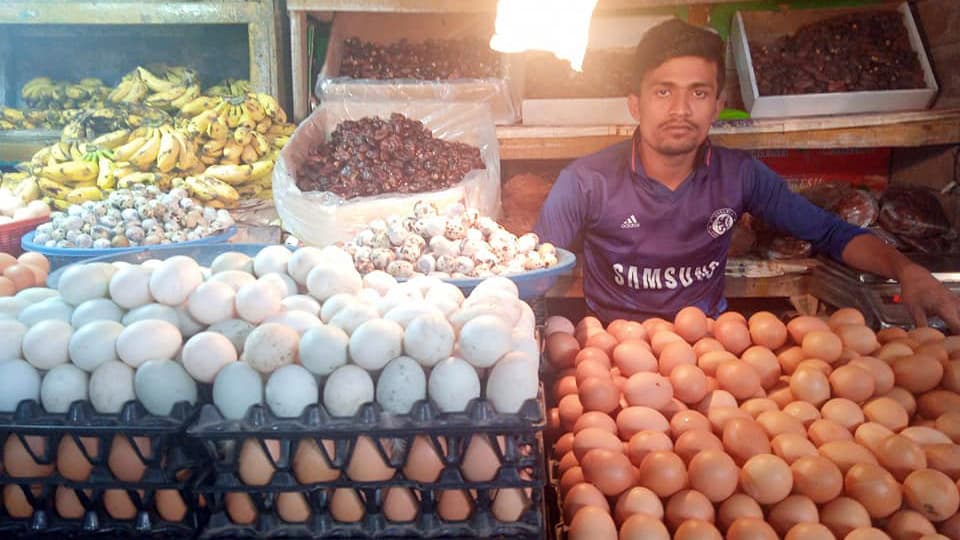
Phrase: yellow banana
[84,194]
[57,204]
[199,105]
[249,155]
[238,174]
[154,82]
[213,148]
[260,143]
[232,151]
[192,92]
[219,129]
[144,157]
[209,160]
[129,180]
[71,172]
[138,92]
[243,135]
[187,158]
[125,151]
[253,108]
[109,141]
[121,91]
[282,129]
[106,179]
[169,150]
[165,98]
[52,188]
[264,125]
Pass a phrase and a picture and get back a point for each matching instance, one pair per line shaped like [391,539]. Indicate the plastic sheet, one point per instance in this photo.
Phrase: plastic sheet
[912,212]
[324,218]
[496,92]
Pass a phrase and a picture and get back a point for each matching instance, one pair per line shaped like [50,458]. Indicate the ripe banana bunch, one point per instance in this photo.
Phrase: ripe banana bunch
[42,92]
[210,191]
[22,184]
[15,119]
[230,88]
[131,89]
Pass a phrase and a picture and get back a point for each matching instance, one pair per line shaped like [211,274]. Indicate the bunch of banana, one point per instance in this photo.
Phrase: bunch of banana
[43,92]
[161,149]
[211,191]
[131,89]
[21,184]
[230,88]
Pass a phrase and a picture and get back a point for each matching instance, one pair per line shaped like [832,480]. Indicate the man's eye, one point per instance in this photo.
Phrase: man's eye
[663,92]
[700,93]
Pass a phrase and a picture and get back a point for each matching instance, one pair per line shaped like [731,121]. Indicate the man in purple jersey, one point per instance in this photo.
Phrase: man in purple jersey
[656,213]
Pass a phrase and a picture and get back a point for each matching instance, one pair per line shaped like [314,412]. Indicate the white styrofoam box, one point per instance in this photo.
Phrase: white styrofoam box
[605,33]
[828,103]
[387,28]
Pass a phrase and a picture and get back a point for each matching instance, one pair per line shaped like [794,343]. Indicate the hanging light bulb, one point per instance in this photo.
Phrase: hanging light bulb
[558,26]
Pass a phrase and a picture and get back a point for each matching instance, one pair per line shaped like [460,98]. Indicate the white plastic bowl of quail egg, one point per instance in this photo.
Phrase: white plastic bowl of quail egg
[140,216]
[282,329]
[450,243]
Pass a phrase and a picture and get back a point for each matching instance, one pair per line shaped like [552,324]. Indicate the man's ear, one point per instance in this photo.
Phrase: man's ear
[633,103]
[721,104]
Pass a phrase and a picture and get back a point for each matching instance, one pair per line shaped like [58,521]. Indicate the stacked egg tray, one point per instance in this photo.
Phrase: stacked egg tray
[314,460]
[82,474]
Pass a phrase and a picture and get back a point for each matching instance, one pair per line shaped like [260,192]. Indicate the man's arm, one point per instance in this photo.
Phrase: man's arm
[768,198]
[919,290]
[564,213]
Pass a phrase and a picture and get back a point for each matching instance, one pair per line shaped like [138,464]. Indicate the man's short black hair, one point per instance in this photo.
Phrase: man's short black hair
[674,39]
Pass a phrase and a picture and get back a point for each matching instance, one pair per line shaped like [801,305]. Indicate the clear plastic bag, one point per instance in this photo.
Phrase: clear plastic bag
[323,218]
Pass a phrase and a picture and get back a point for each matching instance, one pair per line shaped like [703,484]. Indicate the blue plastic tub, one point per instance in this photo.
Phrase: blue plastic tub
[533,284]
[60,257]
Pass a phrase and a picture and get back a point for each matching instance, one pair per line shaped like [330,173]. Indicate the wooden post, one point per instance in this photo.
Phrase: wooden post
[698,14]
[299,71]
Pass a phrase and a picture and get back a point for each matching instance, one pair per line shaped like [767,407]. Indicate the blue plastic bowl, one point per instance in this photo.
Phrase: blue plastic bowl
[60,257]
[533,284]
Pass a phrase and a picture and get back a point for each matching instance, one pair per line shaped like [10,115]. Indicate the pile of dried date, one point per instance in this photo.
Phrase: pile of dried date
[856,52]
[440,59]
[371,156]
[606,73]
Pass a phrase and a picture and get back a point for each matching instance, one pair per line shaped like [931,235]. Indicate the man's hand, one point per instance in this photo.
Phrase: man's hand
[922,293]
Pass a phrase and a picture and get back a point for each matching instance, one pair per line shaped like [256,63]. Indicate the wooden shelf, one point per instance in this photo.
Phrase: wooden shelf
[467,6]
[923,128]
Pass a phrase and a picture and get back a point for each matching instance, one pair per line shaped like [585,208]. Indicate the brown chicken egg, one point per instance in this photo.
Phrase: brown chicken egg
[570,478]
[873,487]
[918,373]
[637,500]
[643,527]
[795,509]
[688,420]
[764,363]
[871,434]
[634,357]
[562,349]
[909,524]
[677,353]
[591,369]
[629,331]
[582,496]
[662,472]
[509,504]
[594,419]
[570,411]
[935,403]
[714,474]
[660,341]
[738,378]
[16,502]
[846,316]
[423,463]
[951,376]
[926,334]
[792,446]
[610,471]
[809,531]
[688,504]
[845,454]
[21,276]
[126,462]
[557,323]
[254,466]
[292,507]
[781,395]
[882,373]
[817,478]
[633,420]
[598,394]
[843,412]
[7,287]
[732,316]
[737,506]
[697,529]
[170,505]
[119,504]
[567,462]
[944,457]
[603,341]
[810,385]
[751,528]
[21,455]
[816,363]
[648,390]
[68,504]
[689,383]
[734,335]
[757,406]
[857,337]
[710,361]
[346,506]
[824,431]
[71,461]
[719,416]
[695,441]
[590,438]
[803,411]
[951,527]
[800,326]
[565,386]
[690,323]
[900,456]
[592,523]
[240,508]
[400,505]
[931,493]
[311,464]
[716,399]
[767,330]
[852,382]
[481,461]
[766,478]
[887,412]
[887,335]
[744,438]
[867,533]
[654,325]
[592,354]
[790,358]
[778,422]
[843,515]
[705,345]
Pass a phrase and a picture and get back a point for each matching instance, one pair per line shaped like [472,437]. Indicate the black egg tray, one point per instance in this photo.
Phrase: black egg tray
[428,523]
[172,459]
[520,458]
[96,521]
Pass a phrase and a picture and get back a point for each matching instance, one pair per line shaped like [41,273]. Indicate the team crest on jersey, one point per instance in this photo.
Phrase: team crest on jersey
[721,221]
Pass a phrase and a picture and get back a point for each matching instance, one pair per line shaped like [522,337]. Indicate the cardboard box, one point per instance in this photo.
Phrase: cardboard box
[764,27]
[606,33]
[392,27]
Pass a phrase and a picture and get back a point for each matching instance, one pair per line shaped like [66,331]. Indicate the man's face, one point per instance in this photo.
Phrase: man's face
[676,104]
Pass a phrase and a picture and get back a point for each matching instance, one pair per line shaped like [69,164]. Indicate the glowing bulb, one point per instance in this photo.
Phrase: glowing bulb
[558,26]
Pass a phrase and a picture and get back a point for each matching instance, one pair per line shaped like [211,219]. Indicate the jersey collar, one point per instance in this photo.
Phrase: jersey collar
[704,153]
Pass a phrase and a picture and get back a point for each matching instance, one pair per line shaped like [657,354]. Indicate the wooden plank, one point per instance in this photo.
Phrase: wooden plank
[126,12]
[300,68]
[465,6]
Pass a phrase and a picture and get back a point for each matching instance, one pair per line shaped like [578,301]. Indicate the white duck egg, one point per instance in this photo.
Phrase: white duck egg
[483,340]
[401,384]
[98,309]
[152,311]
[302,262]
[173,281]
[499,283]
[347,388]
[18,381]
[512,382]
[380,281]
[212,302]
[405,313]
[236,388]
[46,310]
[111,385]
[11,307]
[94,344]
[284,283]
[46,344]
[205,354]
[369,296]
[186,323]
[82,282]
[336,255]
[334,304]
[329,279]
[62,386]
[301,302]
[257,301]
[376,342]
[232,260]
[33,295]
[429,339]
[351,317]
[301,321]
[161,384]
[270,346]
[445,292]
[234,278]
[323,349]
[424,283]
[452,384]
[130,287]
[271,259]
[12,332]
[146,340]
[290,389]
[236,330]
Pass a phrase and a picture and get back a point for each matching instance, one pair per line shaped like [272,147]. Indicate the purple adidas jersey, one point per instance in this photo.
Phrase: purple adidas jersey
[649,251]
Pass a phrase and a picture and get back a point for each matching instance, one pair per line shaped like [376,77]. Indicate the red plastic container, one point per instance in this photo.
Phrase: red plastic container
[11,233]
